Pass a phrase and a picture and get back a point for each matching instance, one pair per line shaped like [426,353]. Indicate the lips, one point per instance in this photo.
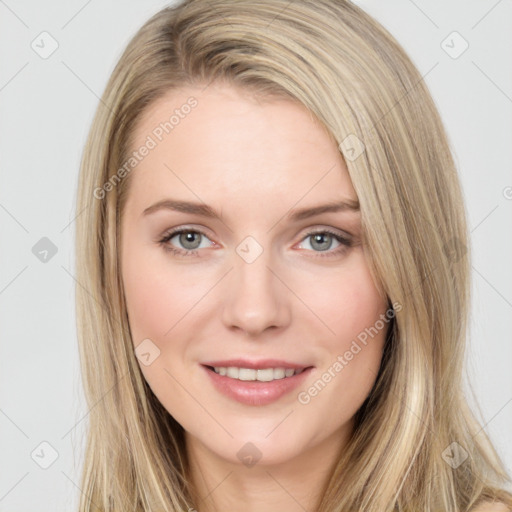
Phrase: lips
[255,393]
[256,364]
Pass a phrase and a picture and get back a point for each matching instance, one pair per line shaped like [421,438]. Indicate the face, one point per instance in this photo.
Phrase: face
[225,258]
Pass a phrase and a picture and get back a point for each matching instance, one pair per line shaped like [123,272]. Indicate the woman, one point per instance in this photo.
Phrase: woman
[273,248]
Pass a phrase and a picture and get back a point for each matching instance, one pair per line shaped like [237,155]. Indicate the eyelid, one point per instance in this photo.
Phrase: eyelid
[185,227]
[328,229]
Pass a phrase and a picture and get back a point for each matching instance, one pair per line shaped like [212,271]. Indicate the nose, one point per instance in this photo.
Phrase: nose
[255,297]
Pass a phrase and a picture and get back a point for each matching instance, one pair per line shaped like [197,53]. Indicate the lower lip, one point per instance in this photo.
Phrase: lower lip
[256,392]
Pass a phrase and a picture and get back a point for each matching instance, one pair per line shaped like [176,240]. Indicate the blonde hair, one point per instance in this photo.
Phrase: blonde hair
[355,78]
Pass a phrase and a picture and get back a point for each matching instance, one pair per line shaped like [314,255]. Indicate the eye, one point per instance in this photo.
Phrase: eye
[189,239]
[189,242]
[322,241]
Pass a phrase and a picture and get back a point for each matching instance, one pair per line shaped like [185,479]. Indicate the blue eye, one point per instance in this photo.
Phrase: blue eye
[190,240]
[321,242]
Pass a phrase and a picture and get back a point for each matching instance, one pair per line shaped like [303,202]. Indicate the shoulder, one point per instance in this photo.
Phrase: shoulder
[491,507]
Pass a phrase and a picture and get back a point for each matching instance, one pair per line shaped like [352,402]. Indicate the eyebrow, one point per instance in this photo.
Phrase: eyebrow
[294,215]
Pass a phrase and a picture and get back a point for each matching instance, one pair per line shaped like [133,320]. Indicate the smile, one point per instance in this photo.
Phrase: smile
[260,374]
[256,387]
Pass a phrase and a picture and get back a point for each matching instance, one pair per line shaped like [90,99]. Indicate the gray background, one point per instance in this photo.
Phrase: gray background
[47,107]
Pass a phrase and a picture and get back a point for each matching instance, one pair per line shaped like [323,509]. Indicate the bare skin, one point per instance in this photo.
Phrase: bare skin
[304,299]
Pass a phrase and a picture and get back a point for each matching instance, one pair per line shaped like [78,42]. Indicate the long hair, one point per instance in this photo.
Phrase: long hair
[353,76]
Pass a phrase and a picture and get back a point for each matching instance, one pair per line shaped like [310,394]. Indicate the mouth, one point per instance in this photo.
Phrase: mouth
[256,374]
[256,386]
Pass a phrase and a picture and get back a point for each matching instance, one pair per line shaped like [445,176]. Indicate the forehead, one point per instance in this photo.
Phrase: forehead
[224,141]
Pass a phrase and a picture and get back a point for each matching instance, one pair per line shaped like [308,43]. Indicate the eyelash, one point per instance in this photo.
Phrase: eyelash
[164,242]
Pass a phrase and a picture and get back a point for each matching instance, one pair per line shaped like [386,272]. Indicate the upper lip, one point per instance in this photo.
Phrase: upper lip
[262,363]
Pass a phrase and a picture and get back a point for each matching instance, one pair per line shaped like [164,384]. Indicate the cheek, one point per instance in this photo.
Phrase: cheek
[158,297]
[158,294]
[347,301]
[149,299]
[354,311]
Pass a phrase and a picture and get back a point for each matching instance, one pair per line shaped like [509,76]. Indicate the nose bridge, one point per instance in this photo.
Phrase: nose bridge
[255,299]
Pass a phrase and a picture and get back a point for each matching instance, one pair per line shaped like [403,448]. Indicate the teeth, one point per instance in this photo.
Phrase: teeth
[263,375]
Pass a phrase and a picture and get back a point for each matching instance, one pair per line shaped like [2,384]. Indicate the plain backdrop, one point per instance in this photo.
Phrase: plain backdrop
[47,107]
